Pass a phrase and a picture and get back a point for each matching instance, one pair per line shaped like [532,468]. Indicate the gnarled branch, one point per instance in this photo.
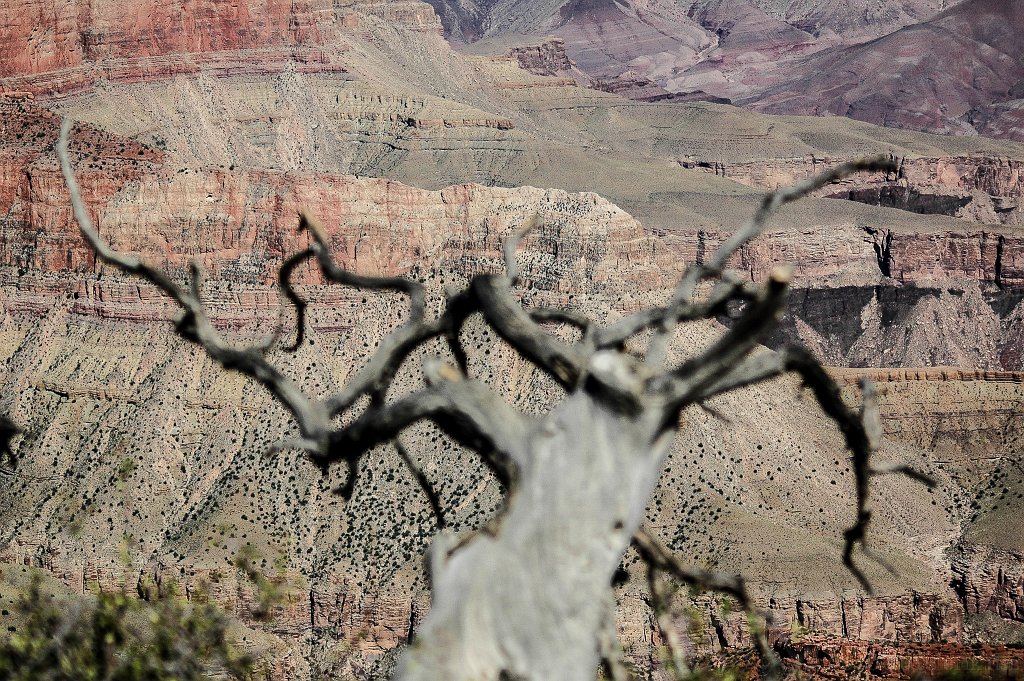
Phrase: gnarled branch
[687,382]
[757,224]
[465,409]
[194,323]
[423,482]
[565,363]
[655,554]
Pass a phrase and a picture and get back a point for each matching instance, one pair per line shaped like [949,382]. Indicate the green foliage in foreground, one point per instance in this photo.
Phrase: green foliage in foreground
[115,637]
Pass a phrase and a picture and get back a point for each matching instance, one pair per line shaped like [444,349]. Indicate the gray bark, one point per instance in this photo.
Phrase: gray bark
[529,598]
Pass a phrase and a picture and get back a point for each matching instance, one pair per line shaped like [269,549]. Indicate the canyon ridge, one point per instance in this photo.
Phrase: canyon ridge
[641,134]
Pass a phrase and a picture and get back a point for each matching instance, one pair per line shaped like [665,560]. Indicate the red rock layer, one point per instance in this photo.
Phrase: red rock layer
[58,46]
[819,657]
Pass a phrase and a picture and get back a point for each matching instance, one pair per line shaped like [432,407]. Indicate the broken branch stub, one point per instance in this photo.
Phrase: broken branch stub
[527,596]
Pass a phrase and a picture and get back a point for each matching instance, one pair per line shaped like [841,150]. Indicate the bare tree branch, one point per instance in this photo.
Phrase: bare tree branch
[775,200]
[657,555]
[284,279]
[771,203]
[685,383]
[727,291]
[903,469]
[194,323]
[465,409]
[754,370]
[563,362]
[512,243]
[519,327]
[375,376]
[862,431]
[8,431]
[475,413]
[413,289]
[424,483]
[554,314]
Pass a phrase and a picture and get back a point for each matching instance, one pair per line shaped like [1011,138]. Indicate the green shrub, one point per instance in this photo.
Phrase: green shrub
[115,637]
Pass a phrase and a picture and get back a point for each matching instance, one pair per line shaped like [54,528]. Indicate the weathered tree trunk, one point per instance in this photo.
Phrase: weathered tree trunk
[530,598]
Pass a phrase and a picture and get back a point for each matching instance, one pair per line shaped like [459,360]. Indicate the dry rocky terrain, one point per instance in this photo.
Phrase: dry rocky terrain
[944,67]
[201,140]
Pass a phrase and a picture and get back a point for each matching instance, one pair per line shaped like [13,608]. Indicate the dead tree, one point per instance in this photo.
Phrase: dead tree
[530,597]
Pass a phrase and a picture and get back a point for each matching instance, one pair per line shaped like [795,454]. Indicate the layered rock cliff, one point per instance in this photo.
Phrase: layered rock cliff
[98,380]
[983,189]
[195,152]
[990,580]
[56,47]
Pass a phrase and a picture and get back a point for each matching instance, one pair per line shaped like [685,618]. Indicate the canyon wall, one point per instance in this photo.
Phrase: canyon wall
[188,158]
[991,580]
[58,47]
[983,189]
[97,378]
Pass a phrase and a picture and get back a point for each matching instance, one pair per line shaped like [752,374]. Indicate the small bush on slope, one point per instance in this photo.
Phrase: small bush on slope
[115,637]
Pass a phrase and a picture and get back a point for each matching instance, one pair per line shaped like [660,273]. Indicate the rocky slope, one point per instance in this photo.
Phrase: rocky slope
[897,81]
[133,439]
[945,67]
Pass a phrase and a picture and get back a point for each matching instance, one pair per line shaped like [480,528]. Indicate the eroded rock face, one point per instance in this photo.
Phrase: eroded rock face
[97,377]
[87,41]
[990,580]
[988,190]
[896,326]
[547,58]
[980,48]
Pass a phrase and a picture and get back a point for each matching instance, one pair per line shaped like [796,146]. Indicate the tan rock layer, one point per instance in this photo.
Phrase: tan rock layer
[991,580]
[984,189]
[943,374]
